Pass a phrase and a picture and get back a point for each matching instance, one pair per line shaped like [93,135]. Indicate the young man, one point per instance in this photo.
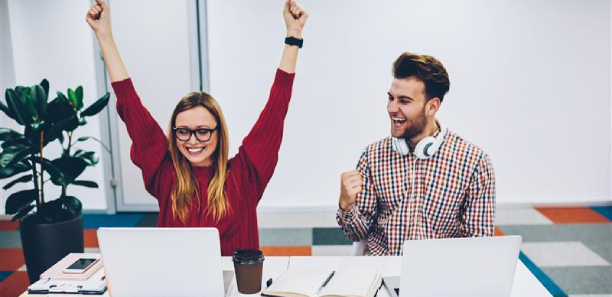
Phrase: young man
[424,181]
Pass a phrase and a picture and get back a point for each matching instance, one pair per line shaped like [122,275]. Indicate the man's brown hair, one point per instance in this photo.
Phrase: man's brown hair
[426,68]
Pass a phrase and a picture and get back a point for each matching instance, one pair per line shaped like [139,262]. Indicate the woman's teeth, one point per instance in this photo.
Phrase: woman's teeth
[195,150]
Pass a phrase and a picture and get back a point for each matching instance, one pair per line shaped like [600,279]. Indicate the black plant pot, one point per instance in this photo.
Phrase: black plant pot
[45,244]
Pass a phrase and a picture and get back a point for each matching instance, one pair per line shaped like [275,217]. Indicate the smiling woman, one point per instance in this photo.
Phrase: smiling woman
[188,171]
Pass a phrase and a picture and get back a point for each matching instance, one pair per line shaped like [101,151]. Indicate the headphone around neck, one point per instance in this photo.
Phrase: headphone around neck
[425,149]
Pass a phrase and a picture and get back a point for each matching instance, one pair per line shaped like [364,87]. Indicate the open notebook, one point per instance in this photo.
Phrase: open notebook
[344,283]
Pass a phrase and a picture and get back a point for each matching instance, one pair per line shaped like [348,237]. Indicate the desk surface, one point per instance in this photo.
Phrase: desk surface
[525,283]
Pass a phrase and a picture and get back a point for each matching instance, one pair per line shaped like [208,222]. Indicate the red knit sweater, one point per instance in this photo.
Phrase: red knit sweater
[250,169]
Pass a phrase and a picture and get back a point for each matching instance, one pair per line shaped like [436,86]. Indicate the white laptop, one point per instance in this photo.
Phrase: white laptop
[457,267]
[164,262]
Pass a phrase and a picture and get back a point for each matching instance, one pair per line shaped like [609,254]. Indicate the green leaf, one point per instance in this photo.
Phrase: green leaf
[8,159]
[69,167]
[54,172]
[85,183]
[40,101]
[45,85]
[97,106]
[59,109]
[14,170]
[17,107]
[8,134]
[79,98]
[90,157]
[23,179]
[19,90]
[56,130]
[22,213]
[28,97]
[73,205]
[61,138]
[72,98]
[20,200]
[7,111]
[16,144]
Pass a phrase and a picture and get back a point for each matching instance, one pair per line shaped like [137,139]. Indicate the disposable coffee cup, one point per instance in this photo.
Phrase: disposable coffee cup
[248,265]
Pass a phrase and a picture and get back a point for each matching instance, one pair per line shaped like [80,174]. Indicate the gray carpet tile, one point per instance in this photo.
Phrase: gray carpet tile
[562,254]
[10,239]
[597,237]
[329,236]
[285,236]
[582,280]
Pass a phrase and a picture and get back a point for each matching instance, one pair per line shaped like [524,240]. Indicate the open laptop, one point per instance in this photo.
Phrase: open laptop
[457,267]
[162,261]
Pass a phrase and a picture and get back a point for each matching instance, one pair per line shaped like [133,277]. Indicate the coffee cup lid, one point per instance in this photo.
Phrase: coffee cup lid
[248,256]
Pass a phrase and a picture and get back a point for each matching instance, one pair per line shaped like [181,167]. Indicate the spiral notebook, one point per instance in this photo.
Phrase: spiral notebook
[306,283]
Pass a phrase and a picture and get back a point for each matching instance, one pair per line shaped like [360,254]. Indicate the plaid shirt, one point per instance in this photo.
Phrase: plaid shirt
[453,196]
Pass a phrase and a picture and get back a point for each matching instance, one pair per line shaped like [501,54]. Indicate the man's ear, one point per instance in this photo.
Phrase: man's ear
[432,106]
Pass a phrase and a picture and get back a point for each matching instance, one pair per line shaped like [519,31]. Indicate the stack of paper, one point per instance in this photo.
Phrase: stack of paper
[94,285]
[54,280]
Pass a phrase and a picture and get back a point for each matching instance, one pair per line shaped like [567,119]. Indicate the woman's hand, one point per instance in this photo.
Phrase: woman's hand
[295,18]
[98,18]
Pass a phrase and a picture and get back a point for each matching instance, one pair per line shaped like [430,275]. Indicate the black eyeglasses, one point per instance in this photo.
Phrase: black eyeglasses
[201,134]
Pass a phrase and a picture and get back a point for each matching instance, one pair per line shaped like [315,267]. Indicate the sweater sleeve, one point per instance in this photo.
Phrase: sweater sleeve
[259,149]
[149,144]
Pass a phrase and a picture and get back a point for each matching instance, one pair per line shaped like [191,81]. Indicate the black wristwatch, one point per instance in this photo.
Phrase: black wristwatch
[294,41]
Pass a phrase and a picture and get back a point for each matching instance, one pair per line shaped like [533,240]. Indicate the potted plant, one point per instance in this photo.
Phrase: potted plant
[50,228]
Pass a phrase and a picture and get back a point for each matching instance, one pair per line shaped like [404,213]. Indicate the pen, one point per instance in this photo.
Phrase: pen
[326,281]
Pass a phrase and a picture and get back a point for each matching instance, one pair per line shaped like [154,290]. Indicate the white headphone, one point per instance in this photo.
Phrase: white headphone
[426,148]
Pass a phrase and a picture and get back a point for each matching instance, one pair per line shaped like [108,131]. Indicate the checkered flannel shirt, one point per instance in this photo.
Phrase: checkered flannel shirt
[453,196]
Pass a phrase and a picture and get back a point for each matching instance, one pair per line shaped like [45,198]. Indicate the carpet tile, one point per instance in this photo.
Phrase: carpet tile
[10,239]
[572,215]
[329,236]
[605,211]
[562,254]
[14,284]
[582,280]
[95,221]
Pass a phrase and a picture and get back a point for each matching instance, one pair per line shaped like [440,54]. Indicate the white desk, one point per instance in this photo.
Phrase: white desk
[525,283]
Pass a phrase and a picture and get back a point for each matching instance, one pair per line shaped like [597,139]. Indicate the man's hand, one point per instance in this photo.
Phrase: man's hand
[295,18]
[98,18]
[351,184]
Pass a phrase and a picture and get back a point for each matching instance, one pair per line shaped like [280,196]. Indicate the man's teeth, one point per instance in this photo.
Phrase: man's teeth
[195,150]
[399,120]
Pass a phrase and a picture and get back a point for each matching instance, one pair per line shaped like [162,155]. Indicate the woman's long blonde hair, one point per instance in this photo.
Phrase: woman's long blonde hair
[186,190]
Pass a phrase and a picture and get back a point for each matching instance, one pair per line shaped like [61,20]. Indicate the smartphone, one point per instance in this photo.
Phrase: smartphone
[81,265]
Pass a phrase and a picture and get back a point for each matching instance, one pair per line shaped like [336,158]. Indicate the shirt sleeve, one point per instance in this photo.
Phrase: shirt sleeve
[479,212]
[259,149]
[357,221]
[149,144]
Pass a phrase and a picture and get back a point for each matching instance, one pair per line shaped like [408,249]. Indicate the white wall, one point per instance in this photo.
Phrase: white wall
[50,39]
[530,84]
